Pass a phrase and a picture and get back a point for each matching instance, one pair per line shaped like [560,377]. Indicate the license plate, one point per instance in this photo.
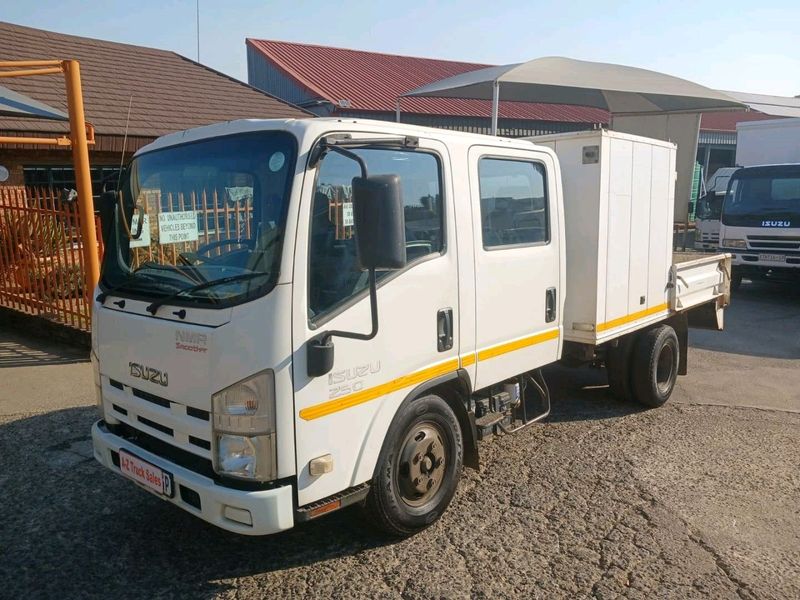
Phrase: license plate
[772,257]
[142,472]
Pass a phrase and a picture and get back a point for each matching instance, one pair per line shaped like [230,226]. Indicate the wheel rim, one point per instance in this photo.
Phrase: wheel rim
[665,368]
[422,463]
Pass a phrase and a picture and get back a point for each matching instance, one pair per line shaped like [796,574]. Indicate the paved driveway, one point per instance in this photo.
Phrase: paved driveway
[697,499]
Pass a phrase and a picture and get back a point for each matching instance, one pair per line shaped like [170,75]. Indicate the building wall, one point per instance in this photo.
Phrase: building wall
[15,160]
[264,75]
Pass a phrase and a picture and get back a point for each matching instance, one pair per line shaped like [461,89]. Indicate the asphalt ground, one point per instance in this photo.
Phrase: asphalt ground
[700,498]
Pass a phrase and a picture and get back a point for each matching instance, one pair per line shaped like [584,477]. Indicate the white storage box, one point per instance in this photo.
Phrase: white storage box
[619,196]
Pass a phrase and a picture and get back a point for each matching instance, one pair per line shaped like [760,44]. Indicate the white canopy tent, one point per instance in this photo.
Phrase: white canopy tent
[640,101]
[14,104]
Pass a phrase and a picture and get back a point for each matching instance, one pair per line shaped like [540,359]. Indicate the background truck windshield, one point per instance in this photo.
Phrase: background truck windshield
[770,197]
[211,211]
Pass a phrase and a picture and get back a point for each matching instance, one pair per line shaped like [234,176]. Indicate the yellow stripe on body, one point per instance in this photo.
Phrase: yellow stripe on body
[507,347]
[468,359]
[338,404]
[332,406]
[632,317]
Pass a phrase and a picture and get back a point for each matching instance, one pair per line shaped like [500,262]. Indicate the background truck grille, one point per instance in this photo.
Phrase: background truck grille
[773,242]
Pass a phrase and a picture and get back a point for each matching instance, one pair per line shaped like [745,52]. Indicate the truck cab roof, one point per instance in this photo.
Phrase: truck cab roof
[315,127]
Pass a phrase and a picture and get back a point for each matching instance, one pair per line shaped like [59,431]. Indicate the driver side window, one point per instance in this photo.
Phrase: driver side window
[334,276]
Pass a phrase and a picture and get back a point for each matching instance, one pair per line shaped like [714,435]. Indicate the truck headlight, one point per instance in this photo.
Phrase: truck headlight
[731,243]
[244,429]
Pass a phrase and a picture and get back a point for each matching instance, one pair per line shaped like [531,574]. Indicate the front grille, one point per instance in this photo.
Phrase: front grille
[150,397]
[181,426]
[154,425]
[773,242]
[197,413]
[160,448]
[198,442]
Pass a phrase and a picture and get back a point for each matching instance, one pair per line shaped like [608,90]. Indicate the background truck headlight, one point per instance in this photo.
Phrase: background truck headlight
[731,243]
[244,429]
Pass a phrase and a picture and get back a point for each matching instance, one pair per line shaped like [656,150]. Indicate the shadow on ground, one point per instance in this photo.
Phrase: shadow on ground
[93,533]
[111,539]
[757,321]
[24,351]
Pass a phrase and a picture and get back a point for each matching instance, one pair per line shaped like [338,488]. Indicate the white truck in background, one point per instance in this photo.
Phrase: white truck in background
[298,315]
[770,142]
[760,218]
[709,208]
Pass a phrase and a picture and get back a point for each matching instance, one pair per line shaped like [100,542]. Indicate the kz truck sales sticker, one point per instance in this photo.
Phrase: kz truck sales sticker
[174,227]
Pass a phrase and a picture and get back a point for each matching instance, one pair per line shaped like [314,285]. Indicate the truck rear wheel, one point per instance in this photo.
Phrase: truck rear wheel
[655,365]
[418,468]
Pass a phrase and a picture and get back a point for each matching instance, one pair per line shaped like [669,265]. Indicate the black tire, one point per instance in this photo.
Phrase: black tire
[395,502]
[655,365]
[618,368]
[736,281]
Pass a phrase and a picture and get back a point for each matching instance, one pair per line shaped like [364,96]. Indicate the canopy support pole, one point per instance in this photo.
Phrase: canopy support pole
[495,105]
[397,110]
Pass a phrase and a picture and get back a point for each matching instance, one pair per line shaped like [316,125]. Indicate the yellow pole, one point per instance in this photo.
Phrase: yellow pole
[83,179]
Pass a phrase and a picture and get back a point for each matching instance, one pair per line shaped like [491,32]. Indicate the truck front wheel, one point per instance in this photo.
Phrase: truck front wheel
[655,365]
[418,468]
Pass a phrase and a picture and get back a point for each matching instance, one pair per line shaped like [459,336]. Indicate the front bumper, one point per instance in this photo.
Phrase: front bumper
[270,511]
[752,259]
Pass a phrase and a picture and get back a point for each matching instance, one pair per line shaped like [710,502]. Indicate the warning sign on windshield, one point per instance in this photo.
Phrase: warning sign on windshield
[174,227]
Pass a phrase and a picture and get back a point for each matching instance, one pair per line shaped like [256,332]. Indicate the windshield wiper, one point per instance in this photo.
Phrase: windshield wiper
[154,306]
[101,297]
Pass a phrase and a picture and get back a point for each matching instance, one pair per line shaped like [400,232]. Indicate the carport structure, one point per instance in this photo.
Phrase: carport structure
[640,101]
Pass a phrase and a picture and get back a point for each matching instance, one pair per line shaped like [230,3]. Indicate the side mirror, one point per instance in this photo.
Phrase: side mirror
[379,220]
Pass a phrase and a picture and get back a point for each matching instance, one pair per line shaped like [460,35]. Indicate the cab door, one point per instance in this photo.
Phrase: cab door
[345,414]
[518,268]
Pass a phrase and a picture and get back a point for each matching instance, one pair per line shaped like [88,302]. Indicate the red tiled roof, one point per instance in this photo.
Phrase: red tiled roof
[371,81]
[726,121]
[169,92]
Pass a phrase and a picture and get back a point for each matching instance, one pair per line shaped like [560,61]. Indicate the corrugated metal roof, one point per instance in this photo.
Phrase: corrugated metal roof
[726,121]
[169,92]
[371,81]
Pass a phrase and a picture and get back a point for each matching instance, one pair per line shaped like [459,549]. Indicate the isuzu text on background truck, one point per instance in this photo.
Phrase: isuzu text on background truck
[295,316]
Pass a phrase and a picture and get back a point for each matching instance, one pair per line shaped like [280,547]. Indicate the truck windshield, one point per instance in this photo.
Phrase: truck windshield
[767,197]
[208,211]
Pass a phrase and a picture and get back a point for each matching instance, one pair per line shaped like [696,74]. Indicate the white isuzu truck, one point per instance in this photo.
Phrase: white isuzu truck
[760,219]
[295,316]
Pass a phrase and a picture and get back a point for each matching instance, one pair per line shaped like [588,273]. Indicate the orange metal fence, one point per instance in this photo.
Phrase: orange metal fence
[41,256]
[42,269]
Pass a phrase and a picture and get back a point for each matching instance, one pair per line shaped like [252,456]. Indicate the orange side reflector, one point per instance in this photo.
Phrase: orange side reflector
[325,508]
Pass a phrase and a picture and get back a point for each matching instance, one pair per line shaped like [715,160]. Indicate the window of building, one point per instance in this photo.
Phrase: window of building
[334,276]
[58,177]
[513,202]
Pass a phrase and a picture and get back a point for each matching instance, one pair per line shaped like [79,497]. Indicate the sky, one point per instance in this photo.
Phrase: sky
[733,45]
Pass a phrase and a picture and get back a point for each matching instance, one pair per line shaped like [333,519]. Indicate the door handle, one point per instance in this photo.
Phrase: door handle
[444,329]
[550,305]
